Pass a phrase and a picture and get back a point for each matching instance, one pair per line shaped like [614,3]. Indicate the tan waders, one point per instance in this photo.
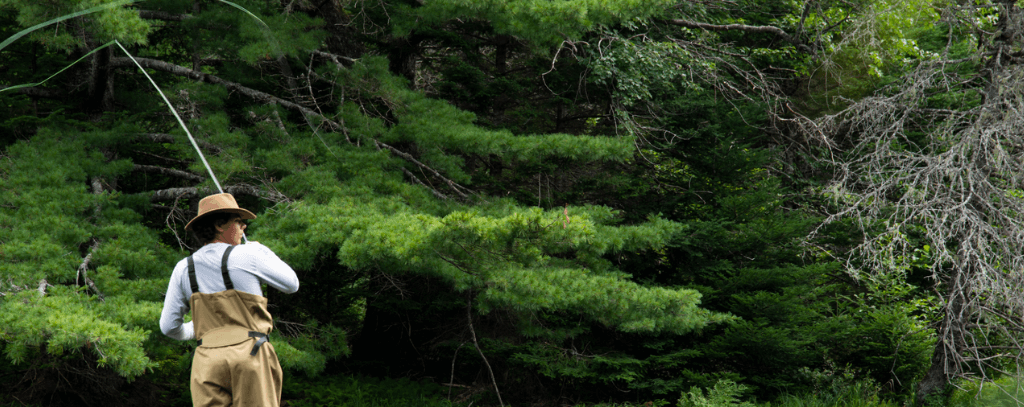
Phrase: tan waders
[234,364]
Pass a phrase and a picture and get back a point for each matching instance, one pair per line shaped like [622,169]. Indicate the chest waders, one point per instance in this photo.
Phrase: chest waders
[233,365]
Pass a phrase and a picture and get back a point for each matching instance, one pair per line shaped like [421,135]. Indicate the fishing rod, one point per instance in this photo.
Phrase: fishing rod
[263,26]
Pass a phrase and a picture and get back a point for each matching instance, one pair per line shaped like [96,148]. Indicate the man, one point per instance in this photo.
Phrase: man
[220,283]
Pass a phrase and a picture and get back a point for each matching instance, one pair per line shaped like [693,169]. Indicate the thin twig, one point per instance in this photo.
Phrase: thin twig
[469,318]
[451,381]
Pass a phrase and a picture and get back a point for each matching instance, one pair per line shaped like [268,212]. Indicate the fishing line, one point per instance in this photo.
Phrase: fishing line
[175,113]
[181,122]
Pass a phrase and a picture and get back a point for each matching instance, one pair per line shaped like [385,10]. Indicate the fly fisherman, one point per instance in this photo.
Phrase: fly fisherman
[233,363]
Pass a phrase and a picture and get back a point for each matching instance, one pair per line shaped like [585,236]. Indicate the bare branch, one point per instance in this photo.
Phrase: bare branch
[469,318]
[169,171]
[416,179]
[333,58]
[172,194]
[163,15]
[170,138]
[268,98]
[408,157]
[232,86]
[83,270]
[746,28]
[42,287]
[947,178]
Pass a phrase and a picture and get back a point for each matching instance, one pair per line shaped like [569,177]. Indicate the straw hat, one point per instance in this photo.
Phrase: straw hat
[219,203]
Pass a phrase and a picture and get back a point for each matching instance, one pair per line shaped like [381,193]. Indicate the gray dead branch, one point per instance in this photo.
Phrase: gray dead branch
[172,194]
[169,171]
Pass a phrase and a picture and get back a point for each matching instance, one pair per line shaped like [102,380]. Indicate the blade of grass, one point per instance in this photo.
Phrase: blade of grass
[28,85]
[245,11]
[264,27]
[100,7]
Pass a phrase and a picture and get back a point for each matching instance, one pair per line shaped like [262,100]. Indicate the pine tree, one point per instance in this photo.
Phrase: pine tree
[564,192]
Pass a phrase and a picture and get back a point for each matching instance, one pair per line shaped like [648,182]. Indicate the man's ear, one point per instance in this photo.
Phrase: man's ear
[223,226]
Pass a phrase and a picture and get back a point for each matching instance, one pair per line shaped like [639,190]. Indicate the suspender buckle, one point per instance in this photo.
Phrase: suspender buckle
[259,342]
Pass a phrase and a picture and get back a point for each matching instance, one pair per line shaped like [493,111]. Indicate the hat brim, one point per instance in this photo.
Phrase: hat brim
[244,213]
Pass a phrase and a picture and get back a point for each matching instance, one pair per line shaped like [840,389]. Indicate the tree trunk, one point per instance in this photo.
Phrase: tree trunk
[101,89]
[501,54]
[935,378]
[951,334]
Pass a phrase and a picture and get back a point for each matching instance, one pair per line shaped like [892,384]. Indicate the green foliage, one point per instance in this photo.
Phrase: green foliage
[65,322]
[290,34]
[846,394]
[889,336]
[671,258]
[108,20]
[565,364]
[634,67]
[1004,392]
[508,254]
[308,351]
[726,393]
[46,211]
[442,131]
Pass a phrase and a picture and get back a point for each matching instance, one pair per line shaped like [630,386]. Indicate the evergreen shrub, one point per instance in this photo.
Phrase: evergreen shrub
[725,393]
[1002,393]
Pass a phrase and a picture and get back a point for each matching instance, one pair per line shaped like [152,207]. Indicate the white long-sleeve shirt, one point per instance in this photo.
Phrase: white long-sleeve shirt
[249,265]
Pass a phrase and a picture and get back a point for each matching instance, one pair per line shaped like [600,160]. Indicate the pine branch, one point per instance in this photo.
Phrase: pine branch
[169,171]
[268,98]
[280,124]
[277,121]
[232,86]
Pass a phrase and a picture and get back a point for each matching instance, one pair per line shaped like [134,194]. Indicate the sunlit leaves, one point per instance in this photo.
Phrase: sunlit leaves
[633,67]
[105,20]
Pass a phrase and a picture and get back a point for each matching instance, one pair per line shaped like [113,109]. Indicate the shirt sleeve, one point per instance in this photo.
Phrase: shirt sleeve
[175,308]
[270,269]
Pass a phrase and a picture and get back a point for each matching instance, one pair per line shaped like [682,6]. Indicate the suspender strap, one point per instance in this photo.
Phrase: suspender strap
[228,285]
[192,275]
[259,342]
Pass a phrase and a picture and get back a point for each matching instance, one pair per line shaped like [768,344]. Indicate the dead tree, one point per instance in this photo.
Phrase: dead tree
[950,177]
